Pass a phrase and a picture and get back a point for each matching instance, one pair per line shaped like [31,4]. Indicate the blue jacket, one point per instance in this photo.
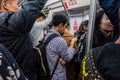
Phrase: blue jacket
[14,34]
[111,8]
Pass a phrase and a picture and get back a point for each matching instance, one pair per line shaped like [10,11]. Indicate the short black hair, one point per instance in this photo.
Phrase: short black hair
[41,14]
[59,18]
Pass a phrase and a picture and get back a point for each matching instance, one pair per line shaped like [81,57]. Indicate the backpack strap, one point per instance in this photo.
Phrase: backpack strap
[55,67]
[45,44]
[50,38]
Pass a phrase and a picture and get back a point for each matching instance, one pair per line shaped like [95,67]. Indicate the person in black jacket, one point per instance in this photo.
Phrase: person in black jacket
[9,70]
[15,25]
[81,34]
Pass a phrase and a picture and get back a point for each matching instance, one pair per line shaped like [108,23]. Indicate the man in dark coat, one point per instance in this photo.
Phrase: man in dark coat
[15,25]
[9,70]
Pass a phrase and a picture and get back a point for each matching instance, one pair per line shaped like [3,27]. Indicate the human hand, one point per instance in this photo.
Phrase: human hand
[62,61]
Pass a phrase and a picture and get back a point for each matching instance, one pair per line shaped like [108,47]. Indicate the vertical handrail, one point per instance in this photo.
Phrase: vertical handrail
[64,8]
[93,8]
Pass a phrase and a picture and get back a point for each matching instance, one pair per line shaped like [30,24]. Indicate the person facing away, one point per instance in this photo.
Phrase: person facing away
[15,25]
[58,47]
[81,34]
[103,31]
[37,32]
[9,69]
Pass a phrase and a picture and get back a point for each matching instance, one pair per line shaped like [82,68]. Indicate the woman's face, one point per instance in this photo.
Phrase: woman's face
[106,24]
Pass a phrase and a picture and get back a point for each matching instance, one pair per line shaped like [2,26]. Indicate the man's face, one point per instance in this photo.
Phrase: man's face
[11,5]
[39,19]
[62,28]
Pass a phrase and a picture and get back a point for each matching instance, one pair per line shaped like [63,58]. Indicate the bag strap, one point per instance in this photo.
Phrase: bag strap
[55,67]
[45,44]
[50,38]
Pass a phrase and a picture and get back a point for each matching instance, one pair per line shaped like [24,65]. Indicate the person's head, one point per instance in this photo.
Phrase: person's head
[102,22]
[9,5]
[84,26]
[40,17]
[60,22]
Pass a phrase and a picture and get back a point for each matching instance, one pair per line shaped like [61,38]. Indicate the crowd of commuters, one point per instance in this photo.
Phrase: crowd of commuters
[22,29]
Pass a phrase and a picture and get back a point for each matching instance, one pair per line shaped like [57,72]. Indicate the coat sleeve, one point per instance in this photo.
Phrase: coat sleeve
[64,51]
[9,69]
[44,23]
[22,20]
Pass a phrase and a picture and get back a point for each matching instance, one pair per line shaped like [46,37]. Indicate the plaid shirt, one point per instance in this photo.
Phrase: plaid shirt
[56,47]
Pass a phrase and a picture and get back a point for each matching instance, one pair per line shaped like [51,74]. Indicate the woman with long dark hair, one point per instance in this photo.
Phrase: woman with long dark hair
[103,30]
[81,34]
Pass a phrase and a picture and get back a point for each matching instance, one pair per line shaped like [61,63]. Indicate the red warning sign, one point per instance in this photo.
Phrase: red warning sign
[66,5]
[75,25]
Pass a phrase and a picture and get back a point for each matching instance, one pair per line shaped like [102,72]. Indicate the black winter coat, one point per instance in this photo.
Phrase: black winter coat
[14,34]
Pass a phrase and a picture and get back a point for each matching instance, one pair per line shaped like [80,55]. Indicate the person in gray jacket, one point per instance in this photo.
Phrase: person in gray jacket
[37,32]
[15,26]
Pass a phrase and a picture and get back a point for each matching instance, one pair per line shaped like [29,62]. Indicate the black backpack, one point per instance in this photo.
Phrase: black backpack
[43,71]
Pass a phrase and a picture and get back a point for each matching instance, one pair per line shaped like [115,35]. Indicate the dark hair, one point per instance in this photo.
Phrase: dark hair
[41,15]
[84,23]
[98,37]
[68,25]
[59,18]
[78,32]
[99,16]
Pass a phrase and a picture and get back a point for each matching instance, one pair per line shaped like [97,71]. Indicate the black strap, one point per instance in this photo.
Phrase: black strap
[45,44]
[50,38]
[55,66]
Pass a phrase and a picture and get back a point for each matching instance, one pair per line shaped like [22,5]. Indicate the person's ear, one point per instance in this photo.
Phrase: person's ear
[5,4]
[61,24]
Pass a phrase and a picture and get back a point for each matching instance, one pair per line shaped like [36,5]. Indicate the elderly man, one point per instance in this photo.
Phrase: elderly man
[15,25]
